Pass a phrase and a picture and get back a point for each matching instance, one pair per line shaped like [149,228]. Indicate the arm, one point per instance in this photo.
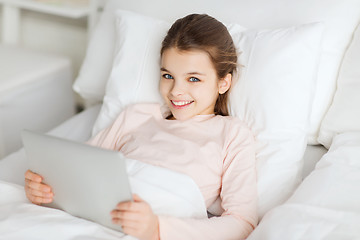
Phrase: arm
[238,195]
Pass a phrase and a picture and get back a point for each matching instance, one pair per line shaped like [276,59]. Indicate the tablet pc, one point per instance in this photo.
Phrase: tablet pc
[87,181]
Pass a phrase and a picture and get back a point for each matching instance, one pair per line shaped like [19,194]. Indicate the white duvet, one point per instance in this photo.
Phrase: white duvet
[168,193]
[326,206]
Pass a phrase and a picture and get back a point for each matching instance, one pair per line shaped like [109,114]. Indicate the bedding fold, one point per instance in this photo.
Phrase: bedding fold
[326,205]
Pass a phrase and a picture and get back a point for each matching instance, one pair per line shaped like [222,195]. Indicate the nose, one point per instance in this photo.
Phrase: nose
[178,88]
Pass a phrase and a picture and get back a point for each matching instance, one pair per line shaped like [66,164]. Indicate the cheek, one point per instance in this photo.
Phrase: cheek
[163,88]
[209,93]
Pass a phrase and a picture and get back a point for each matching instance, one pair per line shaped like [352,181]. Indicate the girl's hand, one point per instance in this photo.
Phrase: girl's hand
[36,191]
[137,219]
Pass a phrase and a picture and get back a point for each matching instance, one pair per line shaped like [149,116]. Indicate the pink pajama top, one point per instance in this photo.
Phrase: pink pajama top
[217,152]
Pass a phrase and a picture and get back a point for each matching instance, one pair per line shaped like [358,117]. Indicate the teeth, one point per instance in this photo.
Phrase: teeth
[181,103]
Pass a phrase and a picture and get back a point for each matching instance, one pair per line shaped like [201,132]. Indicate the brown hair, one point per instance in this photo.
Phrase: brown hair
[203,32]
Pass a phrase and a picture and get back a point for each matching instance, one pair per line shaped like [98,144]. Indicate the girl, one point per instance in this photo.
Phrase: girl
[194,135]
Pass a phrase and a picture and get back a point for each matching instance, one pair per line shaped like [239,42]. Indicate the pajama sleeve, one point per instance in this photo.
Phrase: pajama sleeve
[238,196]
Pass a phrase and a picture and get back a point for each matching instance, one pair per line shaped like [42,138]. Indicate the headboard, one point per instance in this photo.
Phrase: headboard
[251,14]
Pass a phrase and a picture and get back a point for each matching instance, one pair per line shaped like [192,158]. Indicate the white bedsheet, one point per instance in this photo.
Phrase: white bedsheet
[22,220]
[326,206]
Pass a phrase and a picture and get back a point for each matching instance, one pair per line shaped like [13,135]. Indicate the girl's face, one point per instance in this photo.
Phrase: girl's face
[189,83]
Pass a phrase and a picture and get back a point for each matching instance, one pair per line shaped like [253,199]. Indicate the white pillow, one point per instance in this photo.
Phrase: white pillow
[344,113]
[95,70]
[137,58]
[339,16]
[273,95]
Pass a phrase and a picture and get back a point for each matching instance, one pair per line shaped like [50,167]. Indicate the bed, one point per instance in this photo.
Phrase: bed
[299,94]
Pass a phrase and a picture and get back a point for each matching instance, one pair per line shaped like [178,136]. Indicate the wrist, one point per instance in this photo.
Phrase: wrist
[156,235]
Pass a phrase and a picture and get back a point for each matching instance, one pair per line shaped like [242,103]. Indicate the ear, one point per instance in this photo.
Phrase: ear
[225,83]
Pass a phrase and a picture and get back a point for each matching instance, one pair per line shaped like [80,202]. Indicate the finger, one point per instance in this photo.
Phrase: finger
[125,215]
[129,224]
[129,204]
[130,231]
[125,221]
[38,200]
[38,197]
[123,206]
[38,186]
[33,176]
[137,198]
[133,207]
[128,227]
[38,193]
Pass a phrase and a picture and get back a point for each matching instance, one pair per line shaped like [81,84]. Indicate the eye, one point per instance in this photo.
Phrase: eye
[194,79]
[167,76]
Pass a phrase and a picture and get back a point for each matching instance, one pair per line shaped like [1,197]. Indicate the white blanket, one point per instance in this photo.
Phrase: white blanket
[168,193]
[20,219]
[326,206]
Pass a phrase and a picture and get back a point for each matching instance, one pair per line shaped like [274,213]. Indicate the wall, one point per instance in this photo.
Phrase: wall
[0,22]
[54,34]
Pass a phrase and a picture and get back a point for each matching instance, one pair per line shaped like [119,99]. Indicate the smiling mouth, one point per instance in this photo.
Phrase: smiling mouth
[180,104]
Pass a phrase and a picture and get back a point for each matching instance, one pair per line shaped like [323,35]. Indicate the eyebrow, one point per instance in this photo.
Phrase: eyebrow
[189,73]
